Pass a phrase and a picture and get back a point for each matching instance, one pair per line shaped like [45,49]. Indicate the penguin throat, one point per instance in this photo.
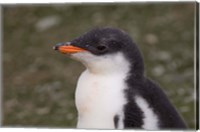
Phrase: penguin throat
[108,64]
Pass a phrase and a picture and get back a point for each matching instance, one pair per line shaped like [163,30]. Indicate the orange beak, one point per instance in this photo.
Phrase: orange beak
[67,49]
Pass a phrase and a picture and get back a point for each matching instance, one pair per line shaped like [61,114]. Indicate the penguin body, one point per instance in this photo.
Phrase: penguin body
[113,92]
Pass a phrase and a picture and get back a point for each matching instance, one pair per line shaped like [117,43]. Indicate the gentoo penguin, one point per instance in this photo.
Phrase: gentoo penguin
[113,91]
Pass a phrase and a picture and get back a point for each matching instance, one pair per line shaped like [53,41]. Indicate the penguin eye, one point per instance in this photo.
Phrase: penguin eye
[101,48]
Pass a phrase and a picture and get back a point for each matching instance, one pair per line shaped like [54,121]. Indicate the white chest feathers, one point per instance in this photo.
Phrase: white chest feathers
[100,90]
[98,99]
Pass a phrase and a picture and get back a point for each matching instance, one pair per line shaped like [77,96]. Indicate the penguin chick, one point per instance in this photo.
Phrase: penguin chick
[113,92]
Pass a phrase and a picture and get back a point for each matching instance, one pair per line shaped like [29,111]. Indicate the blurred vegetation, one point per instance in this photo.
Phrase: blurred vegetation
[39,83]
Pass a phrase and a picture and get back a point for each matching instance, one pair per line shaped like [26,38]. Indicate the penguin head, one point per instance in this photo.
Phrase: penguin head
[103,49]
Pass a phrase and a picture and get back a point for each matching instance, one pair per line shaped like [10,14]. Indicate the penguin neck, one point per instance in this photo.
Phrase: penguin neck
[136,63]
[108,64]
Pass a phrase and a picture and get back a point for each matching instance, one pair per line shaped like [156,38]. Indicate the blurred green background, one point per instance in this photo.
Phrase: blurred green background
[39,83]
